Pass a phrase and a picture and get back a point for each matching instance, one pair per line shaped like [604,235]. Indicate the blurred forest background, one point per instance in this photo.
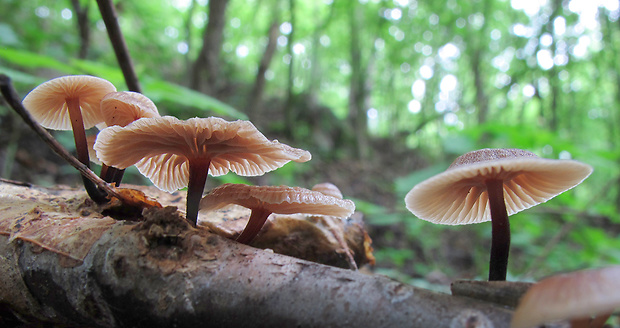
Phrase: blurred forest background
[384,93]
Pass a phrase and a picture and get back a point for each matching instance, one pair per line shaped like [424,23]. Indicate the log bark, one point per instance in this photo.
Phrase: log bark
[63,262]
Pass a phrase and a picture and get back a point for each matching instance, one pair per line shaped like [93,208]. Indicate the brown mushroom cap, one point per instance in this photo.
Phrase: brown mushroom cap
[574,295]
[122,108]
[277,199]
[458,195]
[161,148]
[47,103]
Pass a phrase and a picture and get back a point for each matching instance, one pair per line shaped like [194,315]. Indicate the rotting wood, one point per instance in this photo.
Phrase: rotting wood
[161,272]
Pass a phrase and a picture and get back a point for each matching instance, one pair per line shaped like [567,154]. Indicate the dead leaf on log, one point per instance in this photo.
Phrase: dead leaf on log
[68,224]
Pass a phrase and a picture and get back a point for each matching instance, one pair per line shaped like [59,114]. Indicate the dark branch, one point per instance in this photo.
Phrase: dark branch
[108,13]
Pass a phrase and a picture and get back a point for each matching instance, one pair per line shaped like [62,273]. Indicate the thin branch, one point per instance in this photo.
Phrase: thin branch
[11,97]
[108,13]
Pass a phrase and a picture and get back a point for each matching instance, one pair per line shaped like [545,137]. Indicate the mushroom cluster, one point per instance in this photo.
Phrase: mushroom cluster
[79,102]
[172,153]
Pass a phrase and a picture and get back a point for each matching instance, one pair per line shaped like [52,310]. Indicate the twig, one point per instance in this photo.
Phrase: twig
[11,97]
[108,13]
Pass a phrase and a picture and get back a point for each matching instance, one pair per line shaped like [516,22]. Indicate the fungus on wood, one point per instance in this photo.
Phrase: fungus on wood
[265,200]
[174,154]
[587,298]
[489,185]
[71,103]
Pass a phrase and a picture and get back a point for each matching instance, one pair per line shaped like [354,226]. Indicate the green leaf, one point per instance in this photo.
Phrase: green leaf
[28,59]
[159,90]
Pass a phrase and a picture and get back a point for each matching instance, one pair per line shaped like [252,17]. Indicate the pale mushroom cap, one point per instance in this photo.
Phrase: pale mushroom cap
[122,108]
[459,196]
[92,155]
[328,189]
[161,147]
[277,199]
[47,102]
[576,295]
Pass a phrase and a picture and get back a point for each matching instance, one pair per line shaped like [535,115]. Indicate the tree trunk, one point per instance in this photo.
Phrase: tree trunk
[259,83]
[357,88]
[290,110]
[63,262]
[482,101]
[81,14]
[208,59]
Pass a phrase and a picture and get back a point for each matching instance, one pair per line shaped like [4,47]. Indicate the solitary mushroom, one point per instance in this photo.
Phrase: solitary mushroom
[70,102]
[577,296]
[122,108]
[265,200]
[174,154]
[489,185]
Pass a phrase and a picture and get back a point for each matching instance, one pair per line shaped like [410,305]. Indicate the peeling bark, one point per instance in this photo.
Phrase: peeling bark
[161,272]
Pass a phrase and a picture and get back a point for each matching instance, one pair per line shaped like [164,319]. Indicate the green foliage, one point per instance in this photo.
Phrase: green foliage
[177,99]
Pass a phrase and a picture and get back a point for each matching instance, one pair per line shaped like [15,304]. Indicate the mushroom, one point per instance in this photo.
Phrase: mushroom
[122,108]
[265,200]
[328,188]
[576,296]
[71,102]
[174,154]
[489,185]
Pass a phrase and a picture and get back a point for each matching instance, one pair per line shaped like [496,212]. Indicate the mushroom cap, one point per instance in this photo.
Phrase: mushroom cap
[459,196]
[47,103]
[328,188]
[161,148]
[122,108]
[575,295]
[92,155]
[277,199]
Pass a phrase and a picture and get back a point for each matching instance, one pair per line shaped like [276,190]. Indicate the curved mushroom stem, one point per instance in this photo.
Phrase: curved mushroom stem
[81,148]
[255,223]
[500,239]
[198,170]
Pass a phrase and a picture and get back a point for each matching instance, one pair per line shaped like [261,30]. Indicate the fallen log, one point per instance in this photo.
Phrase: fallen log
[65,263]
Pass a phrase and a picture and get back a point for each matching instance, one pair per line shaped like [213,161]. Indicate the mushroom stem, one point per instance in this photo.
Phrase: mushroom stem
[79,134]
[198,170]
[81,148]
[255,223]
[500,230]
[118,176]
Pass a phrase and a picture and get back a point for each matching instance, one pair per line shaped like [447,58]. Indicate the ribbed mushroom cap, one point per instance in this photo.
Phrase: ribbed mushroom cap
[122,108]
[47,103]
[90,140]
[459,196]
[575,295]
[328,189]
[277,199]
[161,148]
